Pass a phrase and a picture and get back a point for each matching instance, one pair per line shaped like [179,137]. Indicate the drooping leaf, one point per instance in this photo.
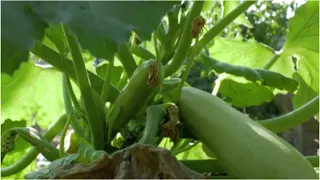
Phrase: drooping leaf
[229,6]
[102,26]
[20,27]
[33,94]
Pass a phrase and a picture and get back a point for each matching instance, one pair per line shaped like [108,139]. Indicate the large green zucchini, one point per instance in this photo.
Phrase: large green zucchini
[244,148]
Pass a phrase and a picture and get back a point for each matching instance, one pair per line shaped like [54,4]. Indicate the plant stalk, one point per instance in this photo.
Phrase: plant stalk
[223,23]
[292,119]
[107,81]
[185,42]
[95,121]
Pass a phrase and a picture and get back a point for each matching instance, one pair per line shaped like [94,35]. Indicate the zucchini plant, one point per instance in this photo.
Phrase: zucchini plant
[133,115]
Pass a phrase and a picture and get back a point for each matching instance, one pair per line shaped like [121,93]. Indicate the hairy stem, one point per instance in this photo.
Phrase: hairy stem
[188,67]
[213,32]
[95,121]
[294,118]
[22,163]
[185,42]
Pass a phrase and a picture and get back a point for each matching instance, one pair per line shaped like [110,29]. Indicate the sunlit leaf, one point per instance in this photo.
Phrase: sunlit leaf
[303,43]
[33,94]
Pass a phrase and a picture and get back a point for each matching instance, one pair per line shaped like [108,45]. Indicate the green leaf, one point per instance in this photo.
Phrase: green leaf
[231,5]
[208,5]
[20,27]
[305,93]
[33,94]
[243,93]
[55,34]
[194,153]
[116,72]
[238,52]
[303,43]
[102,26]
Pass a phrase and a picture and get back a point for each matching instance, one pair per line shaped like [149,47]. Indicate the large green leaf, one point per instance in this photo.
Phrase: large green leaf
[238,52]
[33,94]
[102,26]
[19,28]
[241,92]
[303,43]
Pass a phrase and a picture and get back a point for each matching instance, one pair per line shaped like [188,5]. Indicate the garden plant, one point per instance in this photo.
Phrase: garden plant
[108,80]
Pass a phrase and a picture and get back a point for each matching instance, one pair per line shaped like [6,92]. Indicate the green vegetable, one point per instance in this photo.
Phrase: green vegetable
[144,83]
[244,148]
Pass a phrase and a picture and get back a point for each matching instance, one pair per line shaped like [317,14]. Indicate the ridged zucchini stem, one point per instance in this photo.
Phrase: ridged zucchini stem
[155,115]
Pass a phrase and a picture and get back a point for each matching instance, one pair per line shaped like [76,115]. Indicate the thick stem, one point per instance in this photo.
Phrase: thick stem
[95,121]
[185,42]
[155,115]
[213,32]
[67,94]
[292,119]
[188,67]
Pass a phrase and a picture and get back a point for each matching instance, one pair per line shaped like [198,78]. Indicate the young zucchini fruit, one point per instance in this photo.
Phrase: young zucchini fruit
[244,148]
[143,85]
